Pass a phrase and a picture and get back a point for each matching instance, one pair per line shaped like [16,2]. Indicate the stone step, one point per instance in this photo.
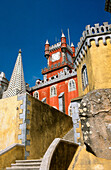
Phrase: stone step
[23,168]
[28,161]
[26,165]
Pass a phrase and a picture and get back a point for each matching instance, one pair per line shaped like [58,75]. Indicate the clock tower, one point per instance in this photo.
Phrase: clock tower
[59,84]
[59,56]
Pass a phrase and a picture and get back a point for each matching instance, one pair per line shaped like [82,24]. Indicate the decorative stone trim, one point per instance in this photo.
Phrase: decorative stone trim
[27,152]
[22,117]
[57,66]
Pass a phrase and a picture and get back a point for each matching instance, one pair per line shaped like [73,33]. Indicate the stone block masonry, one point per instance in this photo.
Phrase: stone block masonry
[95,115]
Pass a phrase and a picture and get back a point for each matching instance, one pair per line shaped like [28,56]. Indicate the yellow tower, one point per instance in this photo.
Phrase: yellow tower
[93,59]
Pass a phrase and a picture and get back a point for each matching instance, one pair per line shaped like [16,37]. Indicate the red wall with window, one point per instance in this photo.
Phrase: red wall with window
[60,87]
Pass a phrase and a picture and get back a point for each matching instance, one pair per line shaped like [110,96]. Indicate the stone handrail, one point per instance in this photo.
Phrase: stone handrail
[10,154]
[10,147]
[66,150]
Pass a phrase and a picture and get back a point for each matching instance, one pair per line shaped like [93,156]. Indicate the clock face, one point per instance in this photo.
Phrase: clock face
[55,56]
[69,57]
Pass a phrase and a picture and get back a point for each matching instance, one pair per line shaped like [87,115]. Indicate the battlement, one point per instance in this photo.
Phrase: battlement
[57,66]
[59,77]
[55,46]
[92,33]
[58,45]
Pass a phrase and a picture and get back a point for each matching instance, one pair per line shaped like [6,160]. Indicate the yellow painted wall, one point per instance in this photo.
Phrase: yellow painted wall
[86,60]
[16,153]
[98,62]
[101,64]
[84,160]
[46,124]
[9,121]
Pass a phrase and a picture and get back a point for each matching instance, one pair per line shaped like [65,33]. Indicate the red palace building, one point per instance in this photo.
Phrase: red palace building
[59,84]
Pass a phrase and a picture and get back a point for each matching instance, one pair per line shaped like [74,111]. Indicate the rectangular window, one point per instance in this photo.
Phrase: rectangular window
[61,102]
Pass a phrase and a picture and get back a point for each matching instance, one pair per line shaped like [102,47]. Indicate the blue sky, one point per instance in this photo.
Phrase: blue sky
[26,24]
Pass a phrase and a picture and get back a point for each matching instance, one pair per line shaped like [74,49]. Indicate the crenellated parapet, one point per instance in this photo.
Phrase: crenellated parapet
[54,79]
[92,33]
[57,46]
[57,66]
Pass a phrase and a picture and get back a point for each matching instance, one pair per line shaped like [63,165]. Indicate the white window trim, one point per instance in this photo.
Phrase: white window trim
[84,77]
[71,88]
[52,94]
[36,92]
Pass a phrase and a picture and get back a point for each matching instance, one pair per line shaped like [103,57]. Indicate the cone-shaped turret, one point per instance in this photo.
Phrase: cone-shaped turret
[63,35]
[47,49]
[73,49]
[17,83]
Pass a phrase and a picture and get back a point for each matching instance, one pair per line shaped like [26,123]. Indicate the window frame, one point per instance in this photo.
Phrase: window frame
[84,76]
[36,92]
[71,86]
[53,91]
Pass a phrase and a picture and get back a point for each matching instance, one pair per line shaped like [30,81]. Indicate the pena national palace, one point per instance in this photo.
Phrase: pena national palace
[64,121]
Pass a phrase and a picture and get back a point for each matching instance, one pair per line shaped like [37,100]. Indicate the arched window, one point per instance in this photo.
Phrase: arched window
[70,110]
[36,94]
[71,85]
[53,91]
[84,77]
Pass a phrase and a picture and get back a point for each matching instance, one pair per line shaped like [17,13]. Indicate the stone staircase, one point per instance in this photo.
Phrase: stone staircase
[26,165]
